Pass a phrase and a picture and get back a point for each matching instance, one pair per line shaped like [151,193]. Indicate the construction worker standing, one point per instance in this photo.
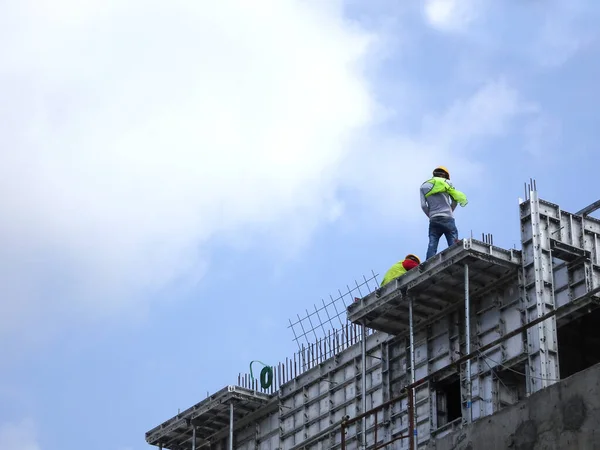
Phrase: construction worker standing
[410,261]
[438,201]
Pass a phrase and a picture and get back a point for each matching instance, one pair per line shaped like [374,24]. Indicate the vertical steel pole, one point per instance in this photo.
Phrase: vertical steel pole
[468,342]
[194,437]
[412,412]
[364,385]
[231,426]
[411,419]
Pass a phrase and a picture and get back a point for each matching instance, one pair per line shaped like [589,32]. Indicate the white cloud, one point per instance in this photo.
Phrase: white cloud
[567,27]
[18,436]
[546,33]
[451,15]
[133,133]
[542,135]
[453,138]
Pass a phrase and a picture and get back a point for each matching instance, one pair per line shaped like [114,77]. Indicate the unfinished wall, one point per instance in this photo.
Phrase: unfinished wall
[560,269]
[566,415]
[261,435]
[320,397]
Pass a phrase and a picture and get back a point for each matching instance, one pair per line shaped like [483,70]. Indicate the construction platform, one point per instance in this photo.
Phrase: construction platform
[437,286]
[210,420]
[468,333]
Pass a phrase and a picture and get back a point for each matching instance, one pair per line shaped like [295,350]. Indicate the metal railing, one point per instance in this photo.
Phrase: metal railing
[320,335]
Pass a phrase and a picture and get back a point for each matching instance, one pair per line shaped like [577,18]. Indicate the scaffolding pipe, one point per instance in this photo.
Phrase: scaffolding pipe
[345,423]
[468,343]
[194,437]
[501,339]
[412,417]
[589,209]
[408,389]
[364,384]
[231,426]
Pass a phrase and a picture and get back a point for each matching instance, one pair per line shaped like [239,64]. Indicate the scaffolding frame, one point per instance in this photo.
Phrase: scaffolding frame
[534,270]
[436,286]
[204,422]
[408,391]
[535,262]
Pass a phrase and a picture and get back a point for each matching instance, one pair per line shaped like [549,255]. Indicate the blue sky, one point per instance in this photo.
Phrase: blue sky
[177,180]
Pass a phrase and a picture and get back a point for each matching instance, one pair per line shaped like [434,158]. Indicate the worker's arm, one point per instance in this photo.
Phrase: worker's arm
[457,195]
[424,204]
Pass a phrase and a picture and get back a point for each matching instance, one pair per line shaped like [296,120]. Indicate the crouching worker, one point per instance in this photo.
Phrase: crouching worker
[409,262]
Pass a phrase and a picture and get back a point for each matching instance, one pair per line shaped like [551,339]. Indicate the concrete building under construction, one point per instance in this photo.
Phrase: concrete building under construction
[435,353]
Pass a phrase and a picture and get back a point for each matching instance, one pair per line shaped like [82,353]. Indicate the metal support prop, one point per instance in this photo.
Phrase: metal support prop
[543,354]
[364,384]
[589,209]
[411,409]
[231,426]
[406,390]
[468,344]
[194,437]
[411,419]
[345,423]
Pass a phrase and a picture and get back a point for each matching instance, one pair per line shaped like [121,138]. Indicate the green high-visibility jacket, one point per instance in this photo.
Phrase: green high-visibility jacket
[395,271]
[442,185]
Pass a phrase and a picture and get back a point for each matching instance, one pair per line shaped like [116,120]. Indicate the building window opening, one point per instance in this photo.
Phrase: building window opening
[449,406]
[579,344]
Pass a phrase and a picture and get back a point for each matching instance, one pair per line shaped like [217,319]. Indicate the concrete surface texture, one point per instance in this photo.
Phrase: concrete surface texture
[566,415]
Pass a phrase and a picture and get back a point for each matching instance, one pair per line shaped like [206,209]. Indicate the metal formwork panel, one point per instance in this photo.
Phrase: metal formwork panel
[561,255]
[423,413]
[575,242]
[439,345]
[246,439]
[482,386]
[322,396]
[421,354]
[436,346]
[443,343]
[539,288]
[260,435]
[496,314]
[560,261]
[268,433]
[398,364]
[263,434]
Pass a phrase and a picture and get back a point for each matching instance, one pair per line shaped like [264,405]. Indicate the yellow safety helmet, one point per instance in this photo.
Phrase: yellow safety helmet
[415,258]
[443,169]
